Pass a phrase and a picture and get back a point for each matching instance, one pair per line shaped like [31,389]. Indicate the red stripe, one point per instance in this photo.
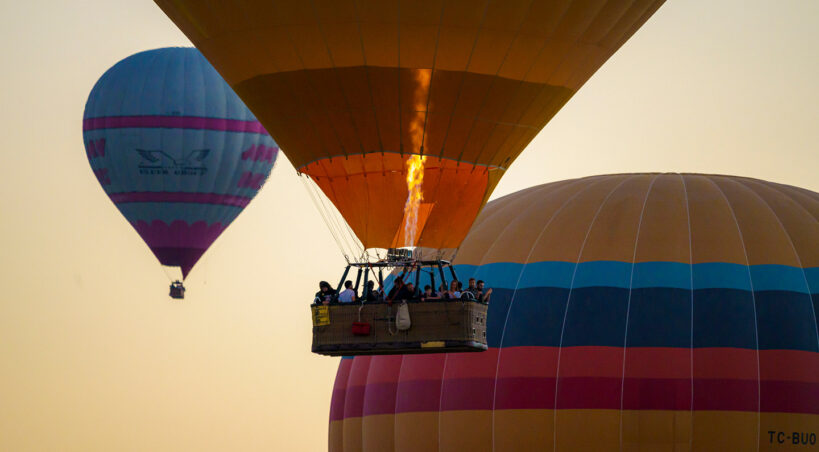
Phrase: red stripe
[173,122]
[525,393]
[379,398]
[594,393]
[467,393]
[789,397]
[418,395]
[354,401]
[188,197]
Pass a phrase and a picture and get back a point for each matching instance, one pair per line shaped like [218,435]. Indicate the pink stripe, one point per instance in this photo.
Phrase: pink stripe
[340,390]
[173,122]
[195,198]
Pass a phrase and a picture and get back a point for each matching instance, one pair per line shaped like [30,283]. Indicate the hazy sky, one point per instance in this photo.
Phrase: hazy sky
[95,357]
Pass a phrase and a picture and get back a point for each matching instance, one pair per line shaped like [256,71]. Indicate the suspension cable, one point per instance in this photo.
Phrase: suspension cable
[345,239]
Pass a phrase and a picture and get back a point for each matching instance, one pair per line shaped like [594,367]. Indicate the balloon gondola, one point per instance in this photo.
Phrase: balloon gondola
[177,290]
[370,325]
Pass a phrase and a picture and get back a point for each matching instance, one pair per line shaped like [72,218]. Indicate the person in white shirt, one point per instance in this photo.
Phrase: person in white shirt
[348,294]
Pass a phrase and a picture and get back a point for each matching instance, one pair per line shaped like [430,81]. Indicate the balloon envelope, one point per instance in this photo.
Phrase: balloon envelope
[175,149]
[350,89]
[630,312]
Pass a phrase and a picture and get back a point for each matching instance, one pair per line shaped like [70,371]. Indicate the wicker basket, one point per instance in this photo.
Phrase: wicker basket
[437,327]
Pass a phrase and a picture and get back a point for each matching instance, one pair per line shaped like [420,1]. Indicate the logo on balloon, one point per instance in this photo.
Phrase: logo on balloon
[161,163]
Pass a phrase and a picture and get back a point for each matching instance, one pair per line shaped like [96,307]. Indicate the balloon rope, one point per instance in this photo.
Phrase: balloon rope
[355,247]
[336,220]
[331,219]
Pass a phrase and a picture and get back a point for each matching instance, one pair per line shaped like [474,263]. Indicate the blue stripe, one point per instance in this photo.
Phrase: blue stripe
[508,275]
[657,317]
[720,275]
[812,275]
[778,277]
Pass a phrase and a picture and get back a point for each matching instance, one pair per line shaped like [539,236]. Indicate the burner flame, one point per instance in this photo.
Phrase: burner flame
[415,181]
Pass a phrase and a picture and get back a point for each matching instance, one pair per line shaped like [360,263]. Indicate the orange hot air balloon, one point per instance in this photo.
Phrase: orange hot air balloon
[359,94]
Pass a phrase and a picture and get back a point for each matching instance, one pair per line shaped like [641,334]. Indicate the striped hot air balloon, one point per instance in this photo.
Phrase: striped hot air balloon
[630,312]
[358,91]
[175,149]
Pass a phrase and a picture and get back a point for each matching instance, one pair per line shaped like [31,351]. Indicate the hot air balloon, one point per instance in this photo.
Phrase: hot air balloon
[407,114]
[176,150]
[630,312]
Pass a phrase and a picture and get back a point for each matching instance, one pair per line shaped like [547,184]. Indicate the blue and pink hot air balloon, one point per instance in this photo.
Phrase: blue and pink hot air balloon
[175,149]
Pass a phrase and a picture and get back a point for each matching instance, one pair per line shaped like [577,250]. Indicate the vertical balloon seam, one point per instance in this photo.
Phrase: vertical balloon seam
[514,293]
[491,247]
[756,321]
[121,132]
[628,303]
[432,75]
[492,84]
[340,88]
[533,99]
[795,253]
[691,298]
[520,83]
[229,184]
[395,407]
[461,84]
[568,302]
[346,385]
[797,196]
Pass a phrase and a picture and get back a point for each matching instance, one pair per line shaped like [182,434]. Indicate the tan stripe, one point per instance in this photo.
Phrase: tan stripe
[714,235]
[352,434]
[335,441]
[664,230]
[377,432]
[597,430]
[416,432]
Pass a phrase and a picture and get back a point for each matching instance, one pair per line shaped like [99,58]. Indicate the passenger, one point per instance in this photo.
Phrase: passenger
[370,294]
[429,294]
[411,295]
[442,289]
[405,292]
[453,293]
[483,294]
[325,294]
[472,288]
[396,286]
[347,295]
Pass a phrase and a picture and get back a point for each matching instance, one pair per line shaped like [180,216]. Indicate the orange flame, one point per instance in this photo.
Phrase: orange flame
[415,180]
[415,163]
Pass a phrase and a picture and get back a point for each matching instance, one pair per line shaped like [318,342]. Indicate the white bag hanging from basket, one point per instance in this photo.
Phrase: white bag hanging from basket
[402,317]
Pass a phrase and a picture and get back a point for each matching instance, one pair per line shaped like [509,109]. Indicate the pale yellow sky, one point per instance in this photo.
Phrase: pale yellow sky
[94,356]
